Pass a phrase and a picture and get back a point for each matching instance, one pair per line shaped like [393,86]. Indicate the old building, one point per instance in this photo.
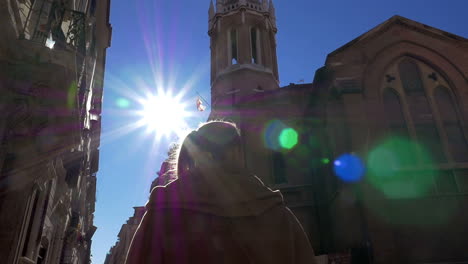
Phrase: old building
[395,99]
[118,253]
[52,58]
[372,156]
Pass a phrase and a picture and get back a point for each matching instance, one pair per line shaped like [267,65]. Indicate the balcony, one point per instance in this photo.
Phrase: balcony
[51,24]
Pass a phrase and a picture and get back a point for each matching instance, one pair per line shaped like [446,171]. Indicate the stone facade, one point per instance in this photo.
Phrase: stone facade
[118,253]
[401,79]
[52,57]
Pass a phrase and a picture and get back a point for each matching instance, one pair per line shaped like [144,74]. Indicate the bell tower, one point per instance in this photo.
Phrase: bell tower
[243,49]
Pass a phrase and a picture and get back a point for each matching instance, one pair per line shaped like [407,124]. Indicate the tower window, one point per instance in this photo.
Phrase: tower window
[254,45]
[233,46]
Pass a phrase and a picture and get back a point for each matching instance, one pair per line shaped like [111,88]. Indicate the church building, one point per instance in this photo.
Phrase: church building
[372,156]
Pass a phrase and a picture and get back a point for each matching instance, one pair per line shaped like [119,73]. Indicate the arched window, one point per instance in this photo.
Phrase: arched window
[31,214]
[233,46]
[456,139]
[254,45]
[410,77]
[394,113]
[396,121]
[421,112]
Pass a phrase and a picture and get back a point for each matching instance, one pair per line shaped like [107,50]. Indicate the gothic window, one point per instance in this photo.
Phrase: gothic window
[42,254]
[254,45]
[233,46]
[92,7]
[394,113]
[29,228]
[410,77]
[420,109]
[279,168]
[457,142]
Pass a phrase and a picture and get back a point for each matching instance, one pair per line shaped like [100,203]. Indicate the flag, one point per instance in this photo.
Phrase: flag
[200,105]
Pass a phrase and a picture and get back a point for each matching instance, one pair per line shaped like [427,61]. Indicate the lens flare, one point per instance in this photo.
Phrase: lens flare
[71,95]
[288,138]
[271,134]
[122,103]
[349,168]
[388,165]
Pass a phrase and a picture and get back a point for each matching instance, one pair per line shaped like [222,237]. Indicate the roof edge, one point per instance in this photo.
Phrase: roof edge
[397,19]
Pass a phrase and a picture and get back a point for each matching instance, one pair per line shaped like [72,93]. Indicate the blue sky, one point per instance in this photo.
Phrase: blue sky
[164,43]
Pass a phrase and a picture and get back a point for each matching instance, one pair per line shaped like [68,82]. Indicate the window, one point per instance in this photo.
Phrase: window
[42,255]
[32,214]
[456,139]
[394,113]
[410,77]
[279,168]
[92,7]
[233,46]
[254,45]
[420,109]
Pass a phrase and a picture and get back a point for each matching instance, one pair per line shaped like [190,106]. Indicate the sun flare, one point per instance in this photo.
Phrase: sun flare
[164,115]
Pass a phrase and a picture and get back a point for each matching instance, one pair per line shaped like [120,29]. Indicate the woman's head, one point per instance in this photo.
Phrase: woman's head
[214,144]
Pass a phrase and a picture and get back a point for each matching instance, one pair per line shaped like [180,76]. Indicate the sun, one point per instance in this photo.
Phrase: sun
[164,115]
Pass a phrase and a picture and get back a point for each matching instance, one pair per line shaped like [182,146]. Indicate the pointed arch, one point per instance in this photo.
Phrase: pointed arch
[421,112]
[410,77]
[396,121]
[233,47]
[394,112]
[255,45]
[387,55]
[458,144]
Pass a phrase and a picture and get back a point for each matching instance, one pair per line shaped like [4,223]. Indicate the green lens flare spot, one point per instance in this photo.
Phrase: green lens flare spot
[325,161]
[71,95]
[288,138]
[122,103]
[388,165]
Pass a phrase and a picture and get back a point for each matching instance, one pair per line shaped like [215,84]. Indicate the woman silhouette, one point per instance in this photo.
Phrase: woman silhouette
[217,212]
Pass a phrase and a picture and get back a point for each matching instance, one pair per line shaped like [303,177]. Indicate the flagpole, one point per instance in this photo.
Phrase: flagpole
[206,102]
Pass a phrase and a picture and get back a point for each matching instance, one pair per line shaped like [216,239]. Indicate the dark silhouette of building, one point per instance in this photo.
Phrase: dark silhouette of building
[52,58]
[118,253]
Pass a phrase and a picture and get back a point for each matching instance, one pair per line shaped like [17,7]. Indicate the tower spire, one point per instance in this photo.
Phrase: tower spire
[211,11]
[265,5]
[219,5]
[272,9]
